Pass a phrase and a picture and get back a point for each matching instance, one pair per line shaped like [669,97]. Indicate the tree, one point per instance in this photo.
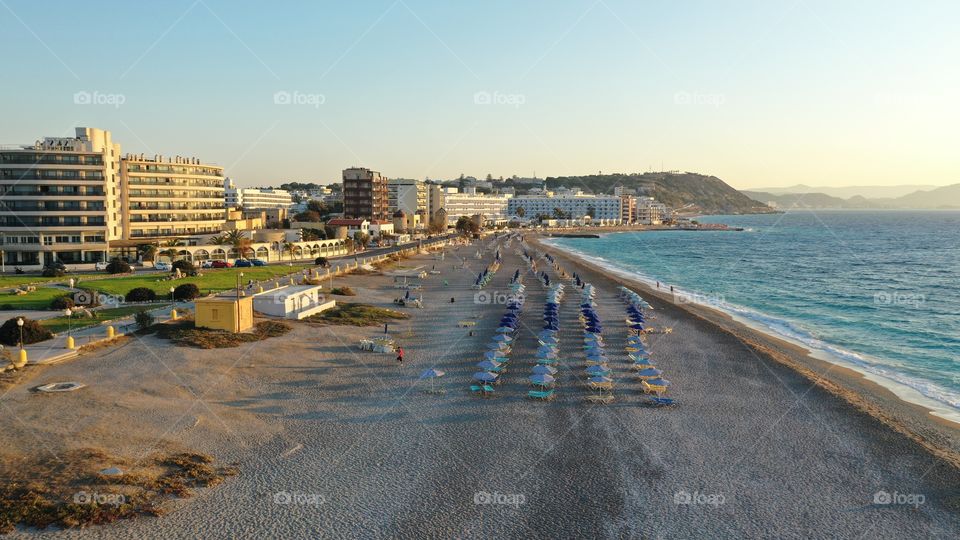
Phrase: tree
[521,211]
[592,211]
[558,213]
[148,251]
[361,238]
[171,250]
[288,248]
[466,225]
[239,242]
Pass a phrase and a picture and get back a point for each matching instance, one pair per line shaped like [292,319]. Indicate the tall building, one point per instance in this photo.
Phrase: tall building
[628,208]
[255,198]
[435,200]
[168,198]
[409,197]
[470,203]
[59,199]
[365,195]
[573,205]
[651,212]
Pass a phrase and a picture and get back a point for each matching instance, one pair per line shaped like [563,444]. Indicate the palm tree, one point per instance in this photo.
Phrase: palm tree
[239,242]
[148,251]
[288,247]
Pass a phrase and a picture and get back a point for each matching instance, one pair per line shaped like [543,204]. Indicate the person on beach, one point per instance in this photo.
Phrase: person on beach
[400,355]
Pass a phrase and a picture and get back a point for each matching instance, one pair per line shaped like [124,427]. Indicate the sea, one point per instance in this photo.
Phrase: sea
[875,291]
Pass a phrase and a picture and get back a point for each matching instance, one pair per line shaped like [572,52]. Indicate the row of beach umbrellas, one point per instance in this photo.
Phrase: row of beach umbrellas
[597,371]
[651,378]
[498,350]
[544,371]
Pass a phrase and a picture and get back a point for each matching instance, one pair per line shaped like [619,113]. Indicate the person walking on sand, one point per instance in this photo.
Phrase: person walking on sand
[400,355]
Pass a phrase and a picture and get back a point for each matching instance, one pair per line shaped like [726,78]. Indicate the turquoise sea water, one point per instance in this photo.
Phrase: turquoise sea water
[876,290]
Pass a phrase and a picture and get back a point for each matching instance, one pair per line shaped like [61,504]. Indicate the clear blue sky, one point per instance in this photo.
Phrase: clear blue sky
[759,93]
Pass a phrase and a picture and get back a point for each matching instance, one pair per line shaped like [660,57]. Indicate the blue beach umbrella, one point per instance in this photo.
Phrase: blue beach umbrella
[502,338]
[485,376]
[544,370]
[493,355]
[488,365]
[598,370]
[649,373]
[542,379]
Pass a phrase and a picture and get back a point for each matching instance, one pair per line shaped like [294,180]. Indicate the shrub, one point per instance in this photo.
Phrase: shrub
[51,271]
[143,319]
[64,302]
[33,332]
[141,294]
[343,291]
[185,267]
[187,291]
[117,266]
[322,262]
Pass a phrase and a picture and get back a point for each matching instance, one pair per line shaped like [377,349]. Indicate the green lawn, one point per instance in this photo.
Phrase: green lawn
[211,281]
[60,324]
[39,299]
[20,279]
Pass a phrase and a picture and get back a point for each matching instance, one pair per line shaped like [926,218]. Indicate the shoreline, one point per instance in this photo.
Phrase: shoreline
[939,436]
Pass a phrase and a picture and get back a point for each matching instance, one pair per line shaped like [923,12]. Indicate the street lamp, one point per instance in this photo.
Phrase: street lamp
[69,314]
[239,277]
[20,324]
[171,293]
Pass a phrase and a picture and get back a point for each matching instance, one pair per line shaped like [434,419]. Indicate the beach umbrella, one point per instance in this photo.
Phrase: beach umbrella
[600,380]
[549,340]
[485,376]
[598,370]
[649,373]
[493,355]
[488,365]
[542,379]
[504,330]
[503,338]
[544,370]
[431,374]
[658,382]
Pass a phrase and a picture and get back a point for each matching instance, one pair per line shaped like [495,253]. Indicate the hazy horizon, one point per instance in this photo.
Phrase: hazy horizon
[758,94]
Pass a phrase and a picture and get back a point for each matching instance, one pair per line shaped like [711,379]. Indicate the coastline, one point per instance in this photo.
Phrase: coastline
[937,435]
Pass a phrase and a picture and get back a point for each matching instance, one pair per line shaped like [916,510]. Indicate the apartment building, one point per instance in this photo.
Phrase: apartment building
[59,199]
[365,195]
[411,198]
[651,212]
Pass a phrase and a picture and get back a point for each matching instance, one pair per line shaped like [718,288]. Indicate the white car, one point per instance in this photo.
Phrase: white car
[100,266]
[162,266]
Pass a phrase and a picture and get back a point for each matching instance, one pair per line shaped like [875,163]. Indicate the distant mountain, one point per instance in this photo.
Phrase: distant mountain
[689,192]
[937,198]
[845,192]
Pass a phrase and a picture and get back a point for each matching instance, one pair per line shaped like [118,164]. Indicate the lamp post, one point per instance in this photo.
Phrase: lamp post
[69,314]
[239,277]
[171,293]
[20,324]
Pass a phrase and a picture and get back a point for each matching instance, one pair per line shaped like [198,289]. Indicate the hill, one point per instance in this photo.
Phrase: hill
[847,192]
[687,192]
[940,198]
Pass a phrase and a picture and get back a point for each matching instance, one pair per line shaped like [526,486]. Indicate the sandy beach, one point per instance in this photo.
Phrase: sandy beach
[333,442]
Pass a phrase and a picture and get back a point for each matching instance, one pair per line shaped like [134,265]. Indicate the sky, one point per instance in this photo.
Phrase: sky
[758,93]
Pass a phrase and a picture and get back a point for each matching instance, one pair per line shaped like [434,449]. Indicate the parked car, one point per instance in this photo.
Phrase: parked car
[258,262]
[242,263]
[162,266]
[100,265]
[220,264]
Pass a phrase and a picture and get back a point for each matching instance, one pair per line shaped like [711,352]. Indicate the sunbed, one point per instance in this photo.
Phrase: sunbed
[544,395]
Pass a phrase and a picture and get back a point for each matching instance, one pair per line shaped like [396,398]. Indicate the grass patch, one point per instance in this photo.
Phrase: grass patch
[357,315]
[70,491]
[343,291]
[213,280]
[38,299]
[22,279]
[61,324]
[184,334]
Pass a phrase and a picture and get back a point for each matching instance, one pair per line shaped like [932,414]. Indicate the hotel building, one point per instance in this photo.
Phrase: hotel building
[365,195]
[59,199]
[575,205]
[470,203]
[411,198]
[256,198]
[170,198]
